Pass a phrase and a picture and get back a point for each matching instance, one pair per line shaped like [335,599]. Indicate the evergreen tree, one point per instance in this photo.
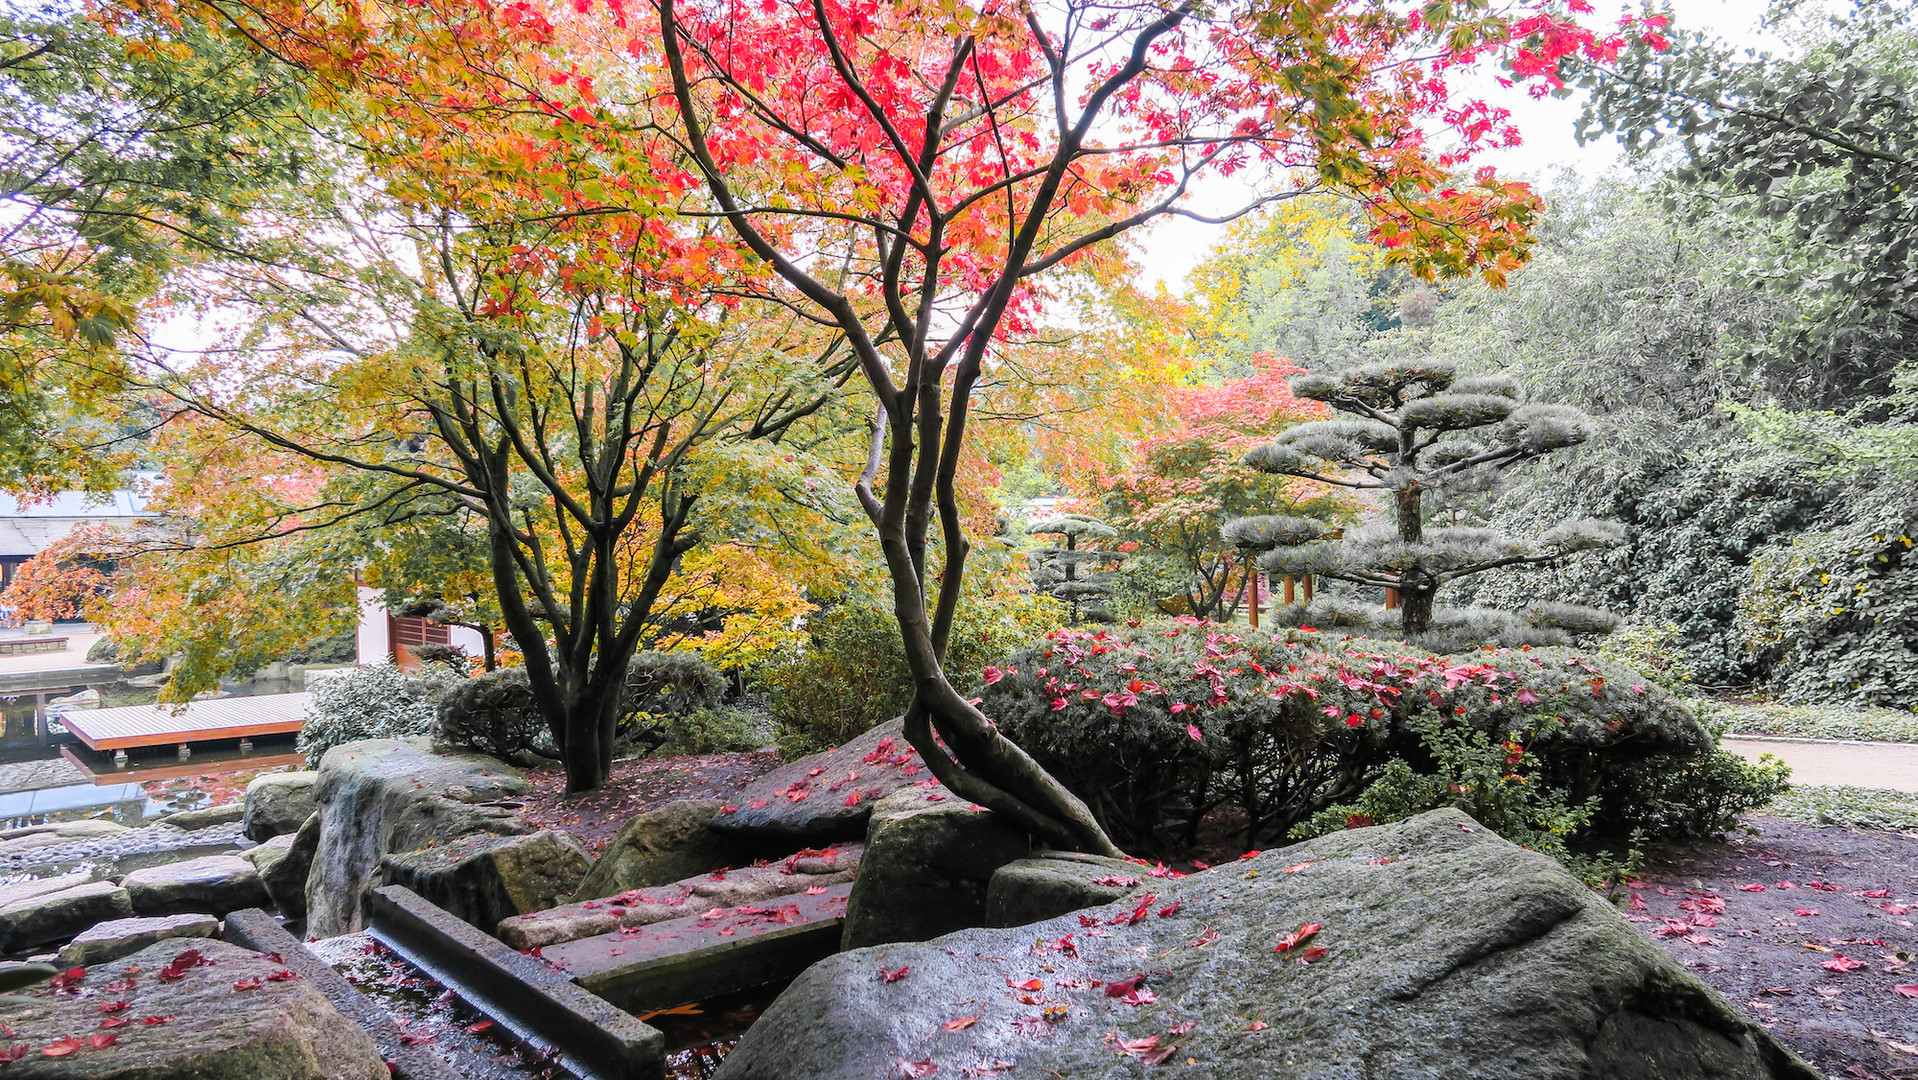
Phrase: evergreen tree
[1056,570]
[1415,429]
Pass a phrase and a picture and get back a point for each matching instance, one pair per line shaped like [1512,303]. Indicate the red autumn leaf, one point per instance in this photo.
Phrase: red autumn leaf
[100,1040]
[911,1069]
[815,890]
[1193,731]
[247,984]
[151,1021]
[1299,937]
[1182,1027]
[282,975]
[1257,1025]
[1804,911]
[1879,894]
[66,979]
[61,1047]
[1296,867]
[1135,1047]
[1029,984]
[113,1022]
[416,1040]
[479,1028]
[1909,991]
[1116,881]
[1313,955]
[1842,963]
[111,1006]
[893,976]
[14,1052]
[1751,888]
[1171,909]
[960,1024]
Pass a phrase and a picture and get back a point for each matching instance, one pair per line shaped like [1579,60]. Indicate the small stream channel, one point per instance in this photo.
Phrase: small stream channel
[697,1037]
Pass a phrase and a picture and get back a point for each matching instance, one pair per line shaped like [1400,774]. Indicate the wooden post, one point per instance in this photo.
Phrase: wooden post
[1288,591]
[1391,599]
[1252,594]
[1308,588]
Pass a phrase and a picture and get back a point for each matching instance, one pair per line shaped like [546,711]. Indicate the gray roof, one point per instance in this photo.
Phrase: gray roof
[29,525]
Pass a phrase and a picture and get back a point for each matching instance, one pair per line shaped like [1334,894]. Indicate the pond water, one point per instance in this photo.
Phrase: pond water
[697,1036]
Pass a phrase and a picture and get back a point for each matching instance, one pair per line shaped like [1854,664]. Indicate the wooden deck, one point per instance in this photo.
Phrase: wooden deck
[199,721]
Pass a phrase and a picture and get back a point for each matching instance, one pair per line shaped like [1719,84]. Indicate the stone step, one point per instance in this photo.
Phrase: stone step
[254,929]
[697,957]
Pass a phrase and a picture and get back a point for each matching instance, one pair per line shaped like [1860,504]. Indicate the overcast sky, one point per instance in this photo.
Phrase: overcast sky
[1172,248]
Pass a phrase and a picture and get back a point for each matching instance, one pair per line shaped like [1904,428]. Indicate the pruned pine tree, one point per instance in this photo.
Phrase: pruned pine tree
[1413,430]
[1080,576]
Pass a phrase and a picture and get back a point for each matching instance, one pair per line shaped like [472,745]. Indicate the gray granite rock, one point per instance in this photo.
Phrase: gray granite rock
[279,803]
[284,872]
[56,916]
[827,796]
[228,1018]
[1448,954]
[1053,883]
[382,796]
[665,844]
[205,817]
[214,885]
[124,937]
[929,860]
[484,879]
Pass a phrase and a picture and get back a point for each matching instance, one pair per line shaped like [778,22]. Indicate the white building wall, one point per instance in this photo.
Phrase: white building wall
[467,638]
[373,638]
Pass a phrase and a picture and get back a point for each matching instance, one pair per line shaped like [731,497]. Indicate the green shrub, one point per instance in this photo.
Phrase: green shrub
[851,675]
[495,714]
[1656,648]
[375,702]
[1171,720]
[722,730]
[1835,614]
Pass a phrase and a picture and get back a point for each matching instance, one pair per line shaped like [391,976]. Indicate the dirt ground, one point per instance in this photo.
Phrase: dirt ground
[1818,955]
[1815,955]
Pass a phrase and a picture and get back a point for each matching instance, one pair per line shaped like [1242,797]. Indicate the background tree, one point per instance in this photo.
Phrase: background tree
[1186,481]
[948,162]
[1071,572]
[1414,431]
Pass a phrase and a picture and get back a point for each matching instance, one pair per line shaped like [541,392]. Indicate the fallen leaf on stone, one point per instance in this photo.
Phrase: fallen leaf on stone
[1296,867]
[960,1024]
[247,984]
[61,1047]
[66,979]
[1313,955]
[893,976]
[1257,1025]
[917,1068]
[1878,894]
[13,1053]
[1751,888]
[100,1040]
[1299,936]
[1182,1027]
[111,1006]
[815,890]
[1842,963]
[113,1022]
[1135,1047]
[1029,984]
[479,1028]
[1116,881]
[150,1021]
[1905,991]
[1171,909]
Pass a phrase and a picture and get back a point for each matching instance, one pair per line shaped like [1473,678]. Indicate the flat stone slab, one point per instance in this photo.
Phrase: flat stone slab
[27,890]
[57,916]
[719,951]
[215,885]
[206,817]
[484,879]
[826,796]
[831,865]
[210,1011]
[124,937]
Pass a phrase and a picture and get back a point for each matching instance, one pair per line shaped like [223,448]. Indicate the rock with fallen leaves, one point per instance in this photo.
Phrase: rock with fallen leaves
[807,871]
[1054,883]
[123,937]
[483,879]
[826,797]
[379,796]
[665,844]
[211,885]
[929,860]
[1429,948]
[212,1011]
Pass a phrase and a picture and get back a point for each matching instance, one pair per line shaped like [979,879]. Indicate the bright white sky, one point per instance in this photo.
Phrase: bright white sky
[1171,248]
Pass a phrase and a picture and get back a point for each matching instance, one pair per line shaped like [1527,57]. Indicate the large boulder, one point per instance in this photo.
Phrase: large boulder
[811,868]
[124,937]
[1053,883]
[278,803]
[380,796]
[46,918]
[284,863]
[484,879]
[1429,949]
[665,844]
[827,796]
[235,1015]
[214,885]
[928,862]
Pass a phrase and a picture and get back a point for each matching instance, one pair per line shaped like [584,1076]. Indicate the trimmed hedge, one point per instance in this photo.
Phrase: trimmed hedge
[1156,726]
